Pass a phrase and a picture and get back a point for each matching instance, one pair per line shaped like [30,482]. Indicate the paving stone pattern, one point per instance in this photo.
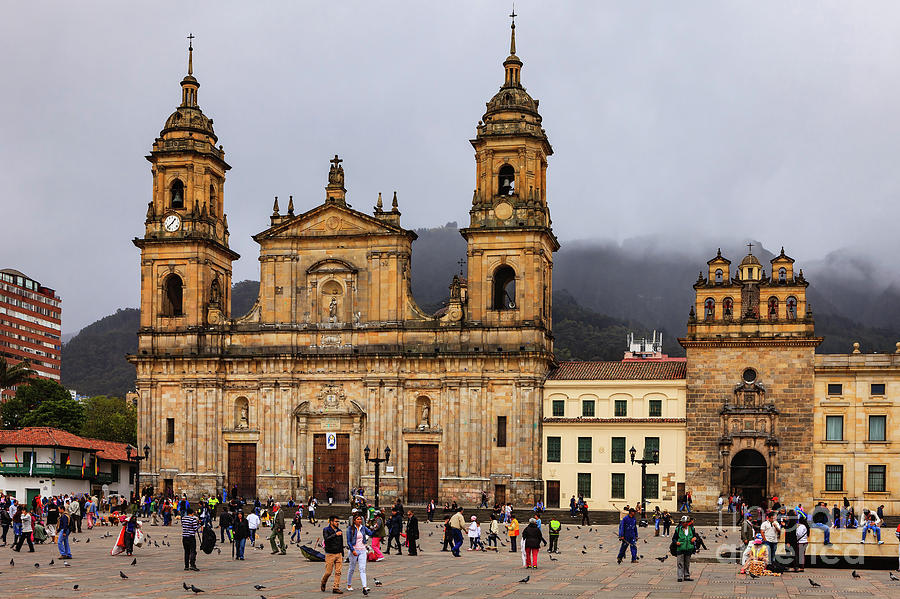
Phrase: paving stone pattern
[432,574]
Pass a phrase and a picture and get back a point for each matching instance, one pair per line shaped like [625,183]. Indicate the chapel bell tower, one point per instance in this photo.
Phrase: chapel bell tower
[510,242]
[185,259]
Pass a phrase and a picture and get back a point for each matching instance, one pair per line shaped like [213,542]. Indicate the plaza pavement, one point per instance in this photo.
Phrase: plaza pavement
[159,572]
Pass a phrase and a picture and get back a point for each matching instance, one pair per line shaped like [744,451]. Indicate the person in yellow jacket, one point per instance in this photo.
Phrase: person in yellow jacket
[512,529]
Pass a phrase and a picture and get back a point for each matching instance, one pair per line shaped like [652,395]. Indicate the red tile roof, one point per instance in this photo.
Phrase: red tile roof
[45,436]
[673,369]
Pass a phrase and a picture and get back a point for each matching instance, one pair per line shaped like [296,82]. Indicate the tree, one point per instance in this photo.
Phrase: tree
[42,402]
[110,419]
[14,374]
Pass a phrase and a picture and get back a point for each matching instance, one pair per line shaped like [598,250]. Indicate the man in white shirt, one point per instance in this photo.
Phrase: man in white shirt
[253,523]
[720,503]
[771,530]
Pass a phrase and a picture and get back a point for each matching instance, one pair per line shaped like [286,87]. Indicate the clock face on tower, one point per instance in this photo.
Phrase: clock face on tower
[172,223]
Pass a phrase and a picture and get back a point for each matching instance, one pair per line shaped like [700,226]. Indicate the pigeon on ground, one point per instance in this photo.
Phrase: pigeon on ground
[855,575]
[37,565]
[122,574]
[645,540]
[75,588]
[583,552]
[813,583]
[663,558]
[219,549]
[88,541]
[526,579]
[185,586]
[377,582]
[52,562]
[134,562]
[553,559]
[891,574]
[196,590]
[259,587]
[66,564]
[12,562]
[575,537]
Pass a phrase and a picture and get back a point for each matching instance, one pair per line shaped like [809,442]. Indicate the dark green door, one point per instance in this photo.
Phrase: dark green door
[31,494]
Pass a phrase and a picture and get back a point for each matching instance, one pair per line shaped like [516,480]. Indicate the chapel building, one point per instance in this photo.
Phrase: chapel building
[335,357]
[750,349]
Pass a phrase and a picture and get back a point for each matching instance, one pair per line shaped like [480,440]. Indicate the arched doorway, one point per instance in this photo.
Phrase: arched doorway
[748,476]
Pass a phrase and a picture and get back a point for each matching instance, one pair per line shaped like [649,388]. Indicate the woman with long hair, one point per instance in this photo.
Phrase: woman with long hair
[357,536]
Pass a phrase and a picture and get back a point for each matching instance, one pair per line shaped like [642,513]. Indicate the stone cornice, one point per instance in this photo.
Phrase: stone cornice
[752,342]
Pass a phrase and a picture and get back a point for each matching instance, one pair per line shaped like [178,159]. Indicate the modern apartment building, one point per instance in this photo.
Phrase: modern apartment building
[29,324]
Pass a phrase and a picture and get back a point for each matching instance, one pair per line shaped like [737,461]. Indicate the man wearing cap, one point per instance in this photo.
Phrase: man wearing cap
[628,535]
[685,539]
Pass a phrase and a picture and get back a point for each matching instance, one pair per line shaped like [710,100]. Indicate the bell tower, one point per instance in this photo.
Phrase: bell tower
[185,259]
[510,242]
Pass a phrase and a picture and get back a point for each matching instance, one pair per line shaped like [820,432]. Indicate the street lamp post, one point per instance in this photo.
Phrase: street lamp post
[653,459]
[137,475]
[377,461]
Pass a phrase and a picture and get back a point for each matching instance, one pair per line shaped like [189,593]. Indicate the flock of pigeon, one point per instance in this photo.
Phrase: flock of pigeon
[315,531]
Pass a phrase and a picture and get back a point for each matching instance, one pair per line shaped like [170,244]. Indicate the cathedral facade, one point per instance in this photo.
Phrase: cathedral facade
[335,361]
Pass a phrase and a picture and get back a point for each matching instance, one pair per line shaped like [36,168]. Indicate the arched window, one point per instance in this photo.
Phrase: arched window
[507,180]
[172,296]
[773,308]
[212,200]
[782,275]
[727,307]
[719,274]
[791,304]
[709,309]
[504,297]
[177,194]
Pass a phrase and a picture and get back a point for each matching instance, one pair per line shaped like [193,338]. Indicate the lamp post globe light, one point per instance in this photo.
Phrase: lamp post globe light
[652,459]
[377,461]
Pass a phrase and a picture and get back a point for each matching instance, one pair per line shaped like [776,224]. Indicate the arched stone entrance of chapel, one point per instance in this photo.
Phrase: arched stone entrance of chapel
[749,476]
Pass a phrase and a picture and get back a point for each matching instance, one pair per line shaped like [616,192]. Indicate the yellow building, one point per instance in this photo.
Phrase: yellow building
[594,413]
[856,439]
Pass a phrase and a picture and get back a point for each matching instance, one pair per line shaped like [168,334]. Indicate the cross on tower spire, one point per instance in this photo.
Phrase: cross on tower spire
[750,246]
[190,38]
[512,37]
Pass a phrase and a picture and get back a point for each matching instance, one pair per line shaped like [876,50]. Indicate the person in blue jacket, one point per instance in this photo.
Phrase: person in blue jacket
[628,535]
[358,534]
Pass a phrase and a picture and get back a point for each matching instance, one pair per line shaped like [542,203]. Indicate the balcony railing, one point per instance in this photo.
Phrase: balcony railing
[54,471]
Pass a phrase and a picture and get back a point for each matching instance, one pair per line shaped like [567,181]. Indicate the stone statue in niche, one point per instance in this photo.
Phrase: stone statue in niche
[426,416]
[762,426]
[244,420]
[332,310]
[734,426]
[215,293]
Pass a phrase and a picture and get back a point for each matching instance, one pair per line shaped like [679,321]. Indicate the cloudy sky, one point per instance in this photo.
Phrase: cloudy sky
[689,120]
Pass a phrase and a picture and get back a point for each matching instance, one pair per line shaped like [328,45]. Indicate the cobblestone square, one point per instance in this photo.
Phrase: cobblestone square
[594,573]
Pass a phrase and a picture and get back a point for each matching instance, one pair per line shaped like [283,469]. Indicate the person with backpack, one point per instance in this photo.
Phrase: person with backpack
[296,526]
[555,528]
[683,545]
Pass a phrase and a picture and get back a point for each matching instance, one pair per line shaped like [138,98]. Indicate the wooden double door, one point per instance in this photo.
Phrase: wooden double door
[331,467]
[242,469]
[422,466]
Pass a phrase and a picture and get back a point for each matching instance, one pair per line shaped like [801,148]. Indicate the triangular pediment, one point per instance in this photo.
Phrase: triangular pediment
[329,220]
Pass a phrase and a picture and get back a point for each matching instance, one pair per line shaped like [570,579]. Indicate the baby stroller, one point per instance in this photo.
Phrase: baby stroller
[40,533]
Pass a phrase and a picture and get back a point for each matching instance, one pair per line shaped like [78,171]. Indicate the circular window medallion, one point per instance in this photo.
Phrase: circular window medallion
[503,210]
[332,222]
[749,375]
